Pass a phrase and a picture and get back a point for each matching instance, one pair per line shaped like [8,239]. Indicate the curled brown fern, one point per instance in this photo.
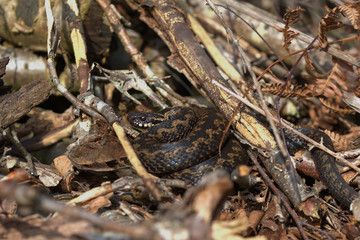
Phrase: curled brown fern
[340,142]
[332,86]
[309,62]
[290,17]
[328,90]
[336,107]
[331,22]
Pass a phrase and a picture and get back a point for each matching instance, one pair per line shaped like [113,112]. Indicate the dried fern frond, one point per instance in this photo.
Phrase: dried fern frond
[290,17]
[308,61]
[330,21]
[332,86]
[352,11]
[320,116]
[336,107]
[346,142]
[357,91]
[340,142]
[331,90]
[290,90]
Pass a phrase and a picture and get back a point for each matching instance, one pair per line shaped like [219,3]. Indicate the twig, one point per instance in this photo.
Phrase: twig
[287,126]
[125,80]
[91,194]
[112,14]
[255,13]
[15,141]
[279,195]
[29,196]
[300,51]
[52,46]
[256,84]
[350,153]
[5,151]
[288,162]
[112,119]
[78,44]
[327,234]
[280,143]
[257,33]
[124,206]
[49,138]
[215,53]
[54,78]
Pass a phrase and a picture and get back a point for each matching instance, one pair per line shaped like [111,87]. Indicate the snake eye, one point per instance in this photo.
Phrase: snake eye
[142,118]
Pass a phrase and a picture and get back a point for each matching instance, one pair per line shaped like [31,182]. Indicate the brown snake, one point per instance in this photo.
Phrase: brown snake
[182,142]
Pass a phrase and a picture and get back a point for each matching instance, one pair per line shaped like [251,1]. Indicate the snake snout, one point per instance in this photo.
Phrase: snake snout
[141,119]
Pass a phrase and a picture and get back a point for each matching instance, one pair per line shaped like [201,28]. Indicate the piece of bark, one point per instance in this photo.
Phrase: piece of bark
[15,105]
[3,62]
[24,24]
[188,56]
[24,67]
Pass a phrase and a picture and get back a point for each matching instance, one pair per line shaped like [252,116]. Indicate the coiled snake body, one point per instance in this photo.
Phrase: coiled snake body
[182,142]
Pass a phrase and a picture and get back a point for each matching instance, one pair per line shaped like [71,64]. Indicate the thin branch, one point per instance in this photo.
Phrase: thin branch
[279,195]
[280,143]
[15,141]
[287,126]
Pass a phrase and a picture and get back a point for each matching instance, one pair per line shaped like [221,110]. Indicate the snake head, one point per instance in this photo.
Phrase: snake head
[143,119]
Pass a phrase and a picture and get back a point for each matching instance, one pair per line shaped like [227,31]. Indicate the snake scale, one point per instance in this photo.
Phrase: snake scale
[182,142]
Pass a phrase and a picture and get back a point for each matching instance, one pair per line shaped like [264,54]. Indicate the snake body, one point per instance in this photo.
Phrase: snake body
[324,163]
[182,142]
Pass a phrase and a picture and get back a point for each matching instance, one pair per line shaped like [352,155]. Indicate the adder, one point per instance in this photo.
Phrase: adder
[182,142]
